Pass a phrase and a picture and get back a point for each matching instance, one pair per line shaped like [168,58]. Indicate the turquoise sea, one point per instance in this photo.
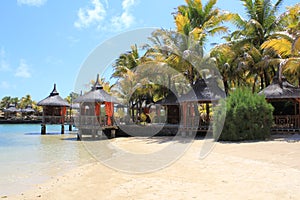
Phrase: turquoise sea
[28,158]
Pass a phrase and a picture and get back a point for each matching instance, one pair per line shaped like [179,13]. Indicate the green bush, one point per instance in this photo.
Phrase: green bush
[248,116]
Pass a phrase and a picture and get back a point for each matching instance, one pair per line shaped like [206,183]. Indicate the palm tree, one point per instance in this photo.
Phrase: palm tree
[127,61]
[200,20]
[25,101]
[285,43]
[252,33]
[178,51]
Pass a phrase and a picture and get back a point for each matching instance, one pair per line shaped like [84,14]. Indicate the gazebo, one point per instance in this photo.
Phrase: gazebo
[11,111]
[27,111]
[285,99]
[54,110]
[92,119]
[172,108]
[203,92]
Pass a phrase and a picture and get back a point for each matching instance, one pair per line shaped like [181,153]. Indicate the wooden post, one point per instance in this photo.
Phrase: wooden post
[79,135]
[113,133]
[43,129]
[62,129]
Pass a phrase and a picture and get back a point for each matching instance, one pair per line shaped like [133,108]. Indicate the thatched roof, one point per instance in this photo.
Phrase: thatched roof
[53,100]
[97,94]
[281,90]
[170,99]
[11,109]
[28,109]
[203,91]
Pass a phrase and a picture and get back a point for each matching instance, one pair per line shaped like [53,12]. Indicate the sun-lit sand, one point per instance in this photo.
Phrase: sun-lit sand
[250,170]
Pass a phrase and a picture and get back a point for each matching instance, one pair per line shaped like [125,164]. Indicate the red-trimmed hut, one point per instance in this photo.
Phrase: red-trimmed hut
[54,110]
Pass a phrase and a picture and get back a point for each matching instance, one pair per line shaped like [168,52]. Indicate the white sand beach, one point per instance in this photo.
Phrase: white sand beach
[249,170]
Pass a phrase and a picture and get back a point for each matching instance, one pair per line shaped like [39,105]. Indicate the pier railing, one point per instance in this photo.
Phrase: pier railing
[93,121]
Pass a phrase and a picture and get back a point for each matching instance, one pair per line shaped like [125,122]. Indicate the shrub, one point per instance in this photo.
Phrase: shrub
[248,117]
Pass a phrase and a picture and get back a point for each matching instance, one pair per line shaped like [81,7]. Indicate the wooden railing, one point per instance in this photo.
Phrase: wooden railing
[92,121]
[57,119]
[286,121]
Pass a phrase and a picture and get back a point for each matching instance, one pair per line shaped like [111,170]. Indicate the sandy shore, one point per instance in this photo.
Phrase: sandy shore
[258,170]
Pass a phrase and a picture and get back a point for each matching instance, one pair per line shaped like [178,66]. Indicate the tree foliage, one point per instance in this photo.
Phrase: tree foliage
[248,116]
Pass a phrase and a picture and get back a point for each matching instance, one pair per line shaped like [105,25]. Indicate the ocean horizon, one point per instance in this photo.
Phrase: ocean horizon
[28,158]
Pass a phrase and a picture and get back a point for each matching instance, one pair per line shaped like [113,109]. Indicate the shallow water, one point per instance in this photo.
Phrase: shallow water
[28,158]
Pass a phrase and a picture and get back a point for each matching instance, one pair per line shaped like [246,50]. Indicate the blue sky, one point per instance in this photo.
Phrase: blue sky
[46,41]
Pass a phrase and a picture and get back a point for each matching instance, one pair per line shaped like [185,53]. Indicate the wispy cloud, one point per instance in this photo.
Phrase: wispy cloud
[4,85]
[73,40]
[126,19]
[92,15]
[4,66]
[23,70]
[36,3]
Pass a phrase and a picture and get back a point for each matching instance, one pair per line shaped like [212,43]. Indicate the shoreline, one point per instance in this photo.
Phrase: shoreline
[259,170]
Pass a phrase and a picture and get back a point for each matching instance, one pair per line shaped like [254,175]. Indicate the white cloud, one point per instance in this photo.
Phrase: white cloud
[127,4]
[4,85]
[23,70]
[72,40]
[91,15]
[36,3]
[126,19]
[4,66]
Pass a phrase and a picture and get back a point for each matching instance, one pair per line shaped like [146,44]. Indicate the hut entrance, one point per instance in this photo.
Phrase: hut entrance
[173,114]
[285,99]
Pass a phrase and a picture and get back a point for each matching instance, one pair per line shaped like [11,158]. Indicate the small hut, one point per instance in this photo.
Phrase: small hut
[96,112]
[171,104]
[27,112]
[11,111]
[54,110]
[285,99]
[203,92]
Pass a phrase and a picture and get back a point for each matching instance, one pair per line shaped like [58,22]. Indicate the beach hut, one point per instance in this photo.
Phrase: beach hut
[11,111]
[171,105]
[204,92]
[96,112]
[27,111]
[54,110]
[285,99]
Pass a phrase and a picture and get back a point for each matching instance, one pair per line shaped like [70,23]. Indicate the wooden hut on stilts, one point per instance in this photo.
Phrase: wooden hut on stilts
[285,99]
[54,110]
[92,119]
[204,92]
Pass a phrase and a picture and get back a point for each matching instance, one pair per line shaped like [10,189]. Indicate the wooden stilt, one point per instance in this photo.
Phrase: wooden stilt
[79,135]
[43,129]
[62,129]
[113,133]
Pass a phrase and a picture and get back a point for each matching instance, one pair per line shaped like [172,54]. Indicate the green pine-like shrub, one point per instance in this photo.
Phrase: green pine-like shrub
[248,117]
